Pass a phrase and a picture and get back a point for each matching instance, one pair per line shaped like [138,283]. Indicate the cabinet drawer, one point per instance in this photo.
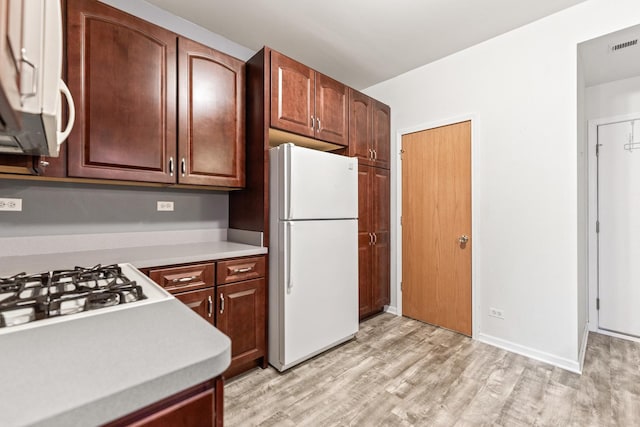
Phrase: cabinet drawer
[236,270]
[180,279]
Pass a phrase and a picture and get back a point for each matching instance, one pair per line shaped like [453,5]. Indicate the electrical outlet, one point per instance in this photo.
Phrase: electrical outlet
[496,312]
[165,206]
[10,204]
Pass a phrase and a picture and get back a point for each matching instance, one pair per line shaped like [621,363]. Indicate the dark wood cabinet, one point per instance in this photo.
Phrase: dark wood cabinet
[369,130]
[306,102]
[11,12]
[211,142]
[199,406]
[202,302]
[373,239]
[122,73]
[133,83]
[230,294]
[241,316]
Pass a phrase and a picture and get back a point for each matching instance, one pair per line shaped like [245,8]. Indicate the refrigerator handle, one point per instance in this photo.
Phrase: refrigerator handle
[289,257]
[287,180]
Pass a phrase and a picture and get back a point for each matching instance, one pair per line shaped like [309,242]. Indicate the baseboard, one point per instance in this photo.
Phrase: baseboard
[583,347]
[560,362]
[391,309]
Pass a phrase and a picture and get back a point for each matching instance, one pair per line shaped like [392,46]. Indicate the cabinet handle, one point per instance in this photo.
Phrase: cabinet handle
[183,166]
[242,270]
[375,238]
[319,126]
[221,303]
[184,279]
[44,163]
[170,166]
[370,239]
[313,123]
[375,155]
[209,306]
[370,153]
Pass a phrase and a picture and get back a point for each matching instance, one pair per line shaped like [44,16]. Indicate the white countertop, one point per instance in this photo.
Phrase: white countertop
[140,257]
[98,368]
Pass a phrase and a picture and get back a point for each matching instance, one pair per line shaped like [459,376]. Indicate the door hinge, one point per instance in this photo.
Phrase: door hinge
[597,150]
[597,303]
[400,220]
[597,226]
[401,153]
[400,286]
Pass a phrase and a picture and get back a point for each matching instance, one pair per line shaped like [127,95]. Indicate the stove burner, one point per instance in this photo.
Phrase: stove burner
[26,298]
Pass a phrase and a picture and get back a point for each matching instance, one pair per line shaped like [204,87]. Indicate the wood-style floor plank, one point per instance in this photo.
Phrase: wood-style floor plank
[401,372]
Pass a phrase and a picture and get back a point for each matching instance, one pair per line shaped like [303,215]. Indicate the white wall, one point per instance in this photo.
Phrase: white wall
[158,16]
[522,87]
[613,99]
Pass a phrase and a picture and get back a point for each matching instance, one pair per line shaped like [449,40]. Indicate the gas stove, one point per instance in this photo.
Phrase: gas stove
[42,298]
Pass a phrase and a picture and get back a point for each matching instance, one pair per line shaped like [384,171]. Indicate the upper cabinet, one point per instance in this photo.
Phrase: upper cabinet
[211,116]
[134,82]
[10,58]
[369,130]
[306,102]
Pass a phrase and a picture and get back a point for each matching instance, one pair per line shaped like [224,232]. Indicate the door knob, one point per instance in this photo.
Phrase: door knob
[463,239]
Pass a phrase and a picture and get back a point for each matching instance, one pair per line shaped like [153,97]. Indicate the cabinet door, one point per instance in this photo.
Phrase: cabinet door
[211,125]
[11,12]
[381,250]
[122,74]
[332,118]
[202,302]
[241,316]
[360,127]
[292,95]
[365,241]
[381,134]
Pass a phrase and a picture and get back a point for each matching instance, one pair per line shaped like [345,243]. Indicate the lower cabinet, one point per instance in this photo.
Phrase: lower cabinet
[199,406]
[231,295]
[241,316]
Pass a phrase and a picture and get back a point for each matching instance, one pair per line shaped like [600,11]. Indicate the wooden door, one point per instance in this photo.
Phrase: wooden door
[11,13]
[381,134]
[211,112]
[436,213]
[365,241]
[381,237]
[122,74]
[201,301]
[332,115]
[360,127]
[241,316]
[292,95]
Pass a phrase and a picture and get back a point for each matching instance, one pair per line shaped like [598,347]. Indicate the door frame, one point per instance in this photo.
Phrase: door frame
[475,198]
[592,257]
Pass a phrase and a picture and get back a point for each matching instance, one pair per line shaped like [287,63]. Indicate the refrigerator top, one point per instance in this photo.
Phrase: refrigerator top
[310,184]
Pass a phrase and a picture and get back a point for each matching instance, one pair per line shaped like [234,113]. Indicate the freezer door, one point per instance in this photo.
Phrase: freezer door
[319,287]
[315,185]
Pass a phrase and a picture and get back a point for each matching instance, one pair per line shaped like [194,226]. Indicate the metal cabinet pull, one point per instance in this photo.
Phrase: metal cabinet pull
[242,270]
[319,126]
[170,166]
[375,238]
[370,239]
[209,306]
[221,304]
[370,153]
[183,166]
[313,123]
[375,155]
[184,279]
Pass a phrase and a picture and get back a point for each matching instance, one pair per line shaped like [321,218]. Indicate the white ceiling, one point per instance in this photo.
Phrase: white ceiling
[601,65]
[362,42]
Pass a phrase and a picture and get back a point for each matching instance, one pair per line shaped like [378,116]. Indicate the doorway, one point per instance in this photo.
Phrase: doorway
[618,226]
[436,226]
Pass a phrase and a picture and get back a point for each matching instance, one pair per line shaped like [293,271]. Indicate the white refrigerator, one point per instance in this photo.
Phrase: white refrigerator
[313,253]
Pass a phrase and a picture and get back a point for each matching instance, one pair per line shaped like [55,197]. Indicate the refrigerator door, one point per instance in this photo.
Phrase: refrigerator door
[318,287]
[313,184]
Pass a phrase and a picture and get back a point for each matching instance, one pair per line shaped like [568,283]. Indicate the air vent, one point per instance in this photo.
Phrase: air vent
[623,45]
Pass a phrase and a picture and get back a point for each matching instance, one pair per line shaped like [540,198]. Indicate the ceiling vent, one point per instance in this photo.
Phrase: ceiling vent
[619,46]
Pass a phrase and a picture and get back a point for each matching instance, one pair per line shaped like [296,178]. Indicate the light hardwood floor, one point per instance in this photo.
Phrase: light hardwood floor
[401,372]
